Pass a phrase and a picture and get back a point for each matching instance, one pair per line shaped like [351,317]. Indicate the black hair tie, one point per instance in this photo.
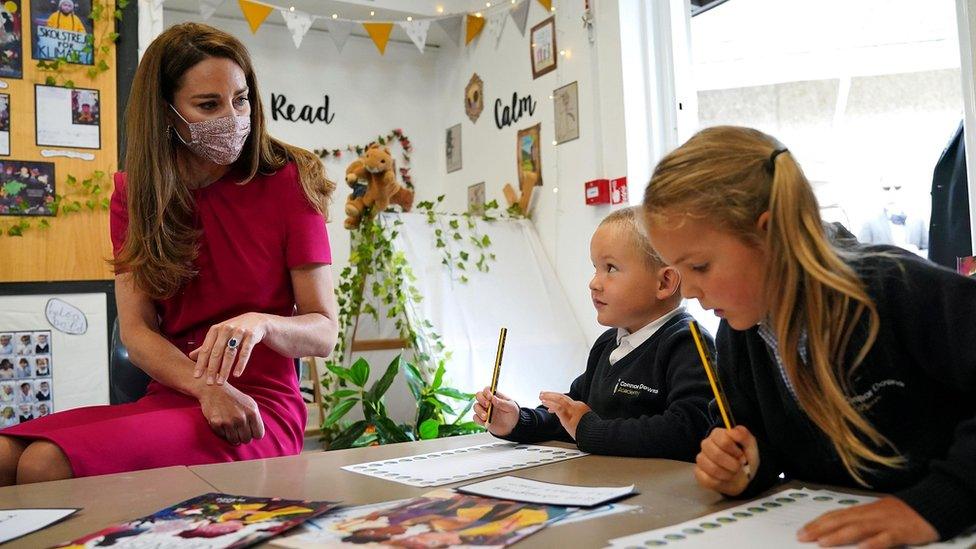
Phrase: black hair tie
[771,165]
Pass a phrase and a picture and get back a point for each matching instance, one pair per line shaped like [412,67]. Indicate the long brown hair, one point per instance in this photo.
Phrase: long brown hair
[161,242]
[724,174]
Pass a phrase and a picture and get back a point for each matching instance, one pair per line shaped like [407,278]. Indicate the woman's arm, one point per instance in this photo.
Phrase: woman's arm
[312,331]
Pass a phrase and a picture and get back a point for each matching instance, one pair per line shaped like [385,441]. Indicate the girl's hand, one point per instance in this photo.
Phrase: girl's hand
[887,522]
[216,358]
[722,463]
[504,412]
[568,411]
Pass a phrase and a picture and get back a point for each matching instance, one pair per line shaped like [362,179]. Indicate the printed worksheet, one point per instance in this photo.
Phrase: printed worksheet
[15,523]
[534,491]
[448,466]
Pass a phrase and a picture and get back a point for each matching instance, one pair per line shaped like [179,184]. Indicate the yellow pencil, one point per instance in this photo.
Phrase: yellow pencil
[498,367]
[723,406]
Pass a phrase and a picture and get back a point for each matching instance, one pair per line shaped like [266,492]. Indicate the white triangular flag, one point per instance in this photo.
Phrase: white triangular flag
[208,7]
[452,28]
[339,31]
[417,31]
[520,14]
[157,4]
[496,25]
[298,23]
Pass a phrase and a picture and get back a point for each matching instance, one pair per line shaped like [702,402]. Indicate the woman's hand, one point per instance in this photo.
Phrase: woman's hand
[504,412]
[216,358]
[887,522]
[231,414]
[726,460]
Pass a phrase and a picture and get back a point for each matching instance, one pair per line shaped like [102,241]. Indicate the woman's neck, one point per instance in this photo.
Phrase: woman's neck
[195,171]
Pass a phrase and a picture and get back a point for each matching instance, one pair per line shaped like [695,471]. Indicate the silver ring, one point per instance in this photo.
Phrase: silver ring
[232,343]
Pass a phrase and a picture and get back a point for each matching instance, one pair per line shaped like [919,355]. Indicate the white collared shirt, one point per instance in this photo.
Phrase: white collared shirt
[627,342]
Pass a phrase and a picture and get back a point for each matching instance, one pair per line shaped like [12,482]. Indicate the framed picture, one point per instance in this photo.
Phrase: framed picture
[55,339]
[67,117]
[4,124]
[476,199]
[565,101]
[529,156]
[62,30]
[452,148]
[11,40]
[474,98]
[542,47]
[26,188]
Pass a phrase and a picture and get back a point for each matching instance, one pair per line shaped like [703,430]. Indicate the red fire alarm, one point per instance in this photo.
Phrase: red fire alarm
[618,191]
[597,191]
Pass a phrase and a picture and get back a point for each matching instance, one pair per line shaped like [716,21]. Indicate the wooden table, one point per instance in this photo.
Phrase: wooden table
[104,500]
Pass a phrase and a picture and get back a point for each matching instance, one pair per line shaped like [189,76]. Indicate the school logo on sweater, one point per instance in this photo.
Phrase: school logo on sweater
[632,388]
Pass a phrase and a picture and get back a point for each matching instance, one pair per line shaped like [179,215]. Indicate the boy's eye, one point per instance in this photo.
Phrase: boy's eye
[700,268]
[612,268]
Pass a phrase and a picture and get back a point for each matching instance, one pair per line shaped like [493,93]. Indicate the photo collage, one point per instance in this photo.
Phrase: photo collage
[26,376]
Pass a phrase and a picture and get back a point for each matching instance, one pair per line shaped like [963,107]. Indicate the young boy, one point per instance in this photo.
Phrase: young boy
[644,392]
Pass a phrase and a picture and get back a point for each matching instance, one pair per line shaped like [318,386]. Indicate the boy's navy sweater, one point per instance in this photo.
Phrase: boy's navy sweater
[651,403]
[916,386]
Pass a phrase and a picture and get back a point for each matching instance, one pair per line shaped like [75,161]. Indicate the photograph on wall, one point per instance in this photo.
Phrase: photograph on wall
[62,30]
[11,42]
[542,47]
[26,376]
[528,151]
[452,148]
[476,199]
[4,124]
[26,188]
[565,101]
[474,98]
[67,117]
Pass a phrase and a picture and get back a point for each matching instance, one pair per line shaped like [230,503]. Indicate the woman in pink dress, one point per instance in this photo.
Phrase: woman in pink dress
[222,277]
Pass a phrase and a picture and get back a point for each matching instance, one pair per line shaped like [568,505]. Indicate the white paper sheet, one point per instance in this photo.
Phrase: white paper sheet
[534,491]
[768,522]
[449,466]
[67,117]
[15,523]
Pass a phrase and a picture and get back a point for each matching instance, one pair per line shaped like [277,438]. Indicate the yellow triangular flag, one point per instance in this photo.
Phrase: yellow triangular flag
[546,4]
[254,13]
[474,26]
[380,33]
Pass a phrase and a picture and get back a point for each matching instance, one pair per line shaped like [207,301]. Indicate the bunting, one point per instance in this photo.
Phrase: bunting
[380,33]
[520,14]
[496,25]
[546,4]
[417,31]
[452,28]
[339,30]
[474,27]
[208,7]
[298,22]
[255,13]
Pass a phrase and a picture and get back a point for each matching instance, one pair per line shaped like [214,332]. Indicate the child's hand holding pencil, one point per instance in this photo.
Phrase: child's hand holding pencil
[727,460]
[504,415]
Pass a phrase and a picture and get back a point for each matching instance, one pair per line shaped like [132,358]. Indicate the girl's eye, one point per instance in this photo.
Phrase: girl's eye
[612,268]
[700,268]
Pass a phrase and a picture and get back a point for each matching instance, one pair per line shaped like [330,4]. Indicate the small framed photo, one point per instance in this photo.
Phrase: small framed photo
[565,102]
[452,148]
[476,199]
[542,47]
[528,150]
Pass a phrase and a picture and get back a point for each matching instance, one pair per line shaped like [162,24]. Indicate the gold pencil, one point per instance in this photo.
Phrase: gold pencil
[498,366]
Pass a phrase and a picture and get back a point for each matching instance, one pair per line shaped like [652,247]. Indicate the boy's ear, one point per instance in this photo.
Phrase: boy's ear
[762,223]
[668,282]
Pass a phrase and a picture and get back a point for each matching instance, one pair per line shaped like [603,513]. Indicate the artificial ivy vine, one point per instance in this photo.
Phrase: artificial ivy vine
[89,194]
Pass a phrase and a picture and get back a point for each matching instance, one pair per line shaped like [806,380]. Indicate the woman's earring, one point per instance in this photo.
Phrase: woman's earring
[169,131]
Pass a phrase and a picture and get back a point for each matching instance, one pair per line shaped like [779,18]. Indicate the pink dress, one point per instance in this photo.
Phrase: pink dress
[251,236]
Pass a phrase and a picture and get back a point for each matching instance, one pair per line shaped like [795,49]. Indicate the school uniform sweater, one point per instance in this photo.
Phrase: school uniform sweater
[916,386]
[653,402]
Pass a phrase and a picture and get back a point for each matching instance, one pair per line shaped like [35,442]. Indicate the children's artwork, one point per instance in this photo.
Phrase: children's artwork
[26,376]
[26,188]
[452,148]
[966,266]
[210,520]
[474,98]
[542,47]
[476,199]
[67,117]
[448,466]
[528,153]
[565,101]
[534,491]
[16,523]
[62,30]
[441,518]
[4,124]
[11,41]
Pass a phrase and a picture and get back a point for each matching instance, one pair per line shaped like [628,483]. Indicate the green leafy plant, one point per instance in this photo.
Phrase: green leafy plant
[89,194]
[432,419]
